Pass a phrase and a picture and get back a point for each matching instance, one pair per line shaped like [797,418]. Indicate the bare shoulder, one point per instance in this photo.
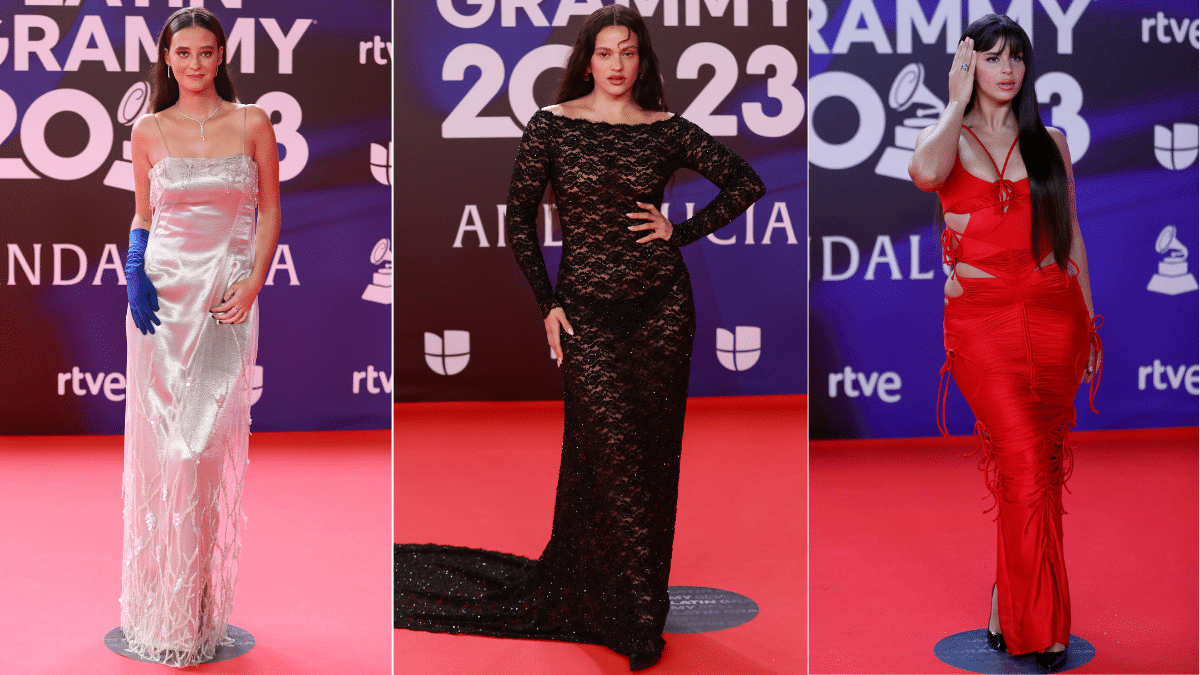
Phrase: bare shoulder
[145,125]
[573,108]
[1060,139]
[256,116]
[258,123]
[659,115]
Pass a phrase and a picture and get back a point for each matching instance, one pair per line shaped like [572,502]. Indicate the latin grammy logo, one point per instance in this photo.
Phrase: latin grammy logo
[448,353]
[380,288]
[133,105]
[1173,276]
[908,88]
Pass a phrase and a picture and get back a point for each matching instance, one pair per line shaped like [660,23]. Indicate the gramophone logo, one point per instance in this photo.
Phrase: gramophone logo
[1173,276]
[380,288]
[1176,147]
[381,162]
[448,353]
[134,104]
[907,89]
[740,349]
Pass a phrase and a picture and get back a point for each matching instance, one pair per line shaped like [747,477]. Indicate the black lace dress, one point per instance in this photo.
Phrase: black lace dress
[602,578]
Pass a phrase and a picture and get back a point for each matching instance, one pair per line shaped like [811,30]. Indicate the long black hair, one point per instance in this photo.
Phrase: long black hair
[647,88]
[165,90]
[1048,191]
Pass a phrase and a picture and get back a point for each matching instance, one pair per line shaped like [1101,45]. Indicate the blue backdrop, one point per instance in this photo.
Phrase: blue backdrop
[69,92]
[1120,79]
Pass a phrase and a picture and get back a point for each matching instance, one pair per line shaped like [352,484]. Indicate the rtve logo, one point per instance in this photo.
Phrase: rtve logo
[1176,147]
[448,353]
[740,349]
[112,385]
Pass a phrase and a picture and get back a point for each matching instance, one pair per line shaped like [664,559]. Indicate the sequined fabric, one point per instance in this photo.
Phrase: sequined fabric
[187,413]
[602,577]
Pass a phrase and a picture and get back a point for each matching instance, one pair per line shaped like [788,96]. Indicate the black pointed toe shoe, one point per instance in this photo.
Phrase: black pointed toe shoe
[996,641]
[1051,661]
[643,660]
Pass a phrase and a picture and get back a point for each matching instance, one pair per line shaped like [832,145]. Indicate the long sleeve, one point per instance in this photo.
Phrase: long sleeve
[531,172]
[740,185]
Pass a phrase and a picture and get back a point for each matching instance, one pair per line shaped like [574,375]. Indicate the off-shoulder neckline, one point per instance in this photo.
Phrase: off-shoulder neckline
[609,124]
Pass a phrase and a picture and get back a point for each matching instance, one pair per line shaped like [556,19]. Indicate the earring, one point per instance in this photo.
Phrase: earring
[587,77]
[168,72]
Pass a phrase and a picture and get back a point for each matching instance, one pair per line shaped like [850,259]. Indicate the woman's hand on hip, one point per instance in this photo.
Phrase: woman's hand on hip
[237,302]
[556,322]
[655,221]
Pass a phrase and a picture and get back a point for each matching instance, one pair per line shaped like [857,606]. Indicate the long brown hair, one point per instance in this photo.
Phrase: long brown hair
[165,90]
[1048,195]
[647,88]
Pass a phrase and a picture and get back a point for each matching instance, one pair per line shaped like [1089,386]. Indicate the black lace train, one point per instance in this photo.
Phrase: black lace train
[602,578]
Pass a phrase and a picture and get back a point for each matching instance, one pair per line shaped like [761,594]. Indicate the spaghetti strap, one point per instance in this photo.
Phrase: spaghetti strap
[244,114]
[164,136]
[999,170]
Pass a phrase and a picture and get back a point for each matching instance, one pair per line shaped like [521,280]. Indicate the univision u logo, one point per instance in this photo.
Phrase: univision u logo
[448,353]
[1176,147]
[739,350]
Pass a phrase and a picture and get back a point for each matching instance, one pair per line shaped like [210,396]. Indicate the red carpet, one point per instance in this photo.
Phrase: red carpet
[901,555]
[483,475]
[315,566]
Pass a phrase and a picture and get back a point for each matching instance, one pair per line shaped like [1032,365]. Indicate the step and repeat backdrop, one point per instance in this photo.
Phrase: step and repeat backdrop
[467,326]
[72,84]
[1119,78]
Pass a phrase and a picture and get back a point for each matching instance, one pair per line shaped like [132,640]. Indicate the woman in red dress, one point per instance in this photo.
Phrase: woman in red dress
[1019,323]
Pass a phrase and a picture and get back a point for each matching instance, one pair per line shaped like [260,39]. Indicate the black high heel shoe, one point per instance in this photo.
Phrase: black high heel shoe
[995,640]
[1051,661]
[643,660]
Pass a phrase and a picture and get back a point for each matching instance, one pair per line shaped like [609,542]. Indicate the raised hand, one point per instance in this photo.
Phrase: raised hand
[962,72]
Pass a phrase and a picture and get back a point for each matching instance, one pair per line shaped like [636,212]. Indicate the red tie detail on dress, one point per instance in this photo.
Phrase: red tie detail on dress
[1093,332]
[1003,190]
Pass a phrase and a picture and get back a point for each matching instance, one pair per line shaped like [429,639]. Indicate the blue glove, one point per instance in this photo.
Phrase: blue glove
[143,299]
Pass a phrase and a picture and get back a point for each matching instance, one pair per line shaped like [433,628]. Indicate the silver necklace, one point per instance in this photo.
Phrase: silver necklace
[201,122]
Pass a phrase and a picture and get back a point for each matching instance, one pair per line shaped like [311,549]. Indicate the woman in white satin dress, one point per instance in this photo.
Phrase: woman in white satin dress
[206,177]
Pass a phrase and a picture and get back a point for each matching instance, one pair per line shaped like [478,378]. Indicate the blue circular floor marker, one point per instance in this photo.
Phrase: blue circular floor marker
[243,642]
[695,609]
[969,651]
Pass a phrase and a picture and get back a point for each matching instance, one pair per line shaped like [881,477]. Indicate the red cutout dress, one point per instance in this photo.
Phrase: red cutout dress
[1017,345]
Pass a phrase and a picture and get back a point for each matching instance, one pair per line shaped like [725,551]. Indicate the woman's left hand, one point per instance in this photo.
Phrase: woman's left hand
[237,302]
[662,228]
[1090,371]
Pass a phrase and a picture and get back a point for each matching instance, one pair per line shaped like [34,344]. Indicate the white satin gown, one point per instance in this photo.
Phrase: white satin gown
[187,413]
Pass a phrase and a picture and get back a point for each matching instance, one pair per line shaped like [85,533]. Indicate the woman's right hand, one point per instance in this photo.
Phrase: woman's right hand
[962,82]
[556,322]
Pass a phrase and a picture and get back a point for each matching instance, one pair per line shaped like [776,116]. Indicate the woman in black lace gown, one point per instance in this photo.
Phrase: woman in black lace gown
[621,323]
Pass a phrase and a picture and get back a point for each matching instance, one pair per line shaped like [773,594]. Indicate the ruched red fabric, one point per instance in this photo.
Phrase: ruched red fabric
[1017,346]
